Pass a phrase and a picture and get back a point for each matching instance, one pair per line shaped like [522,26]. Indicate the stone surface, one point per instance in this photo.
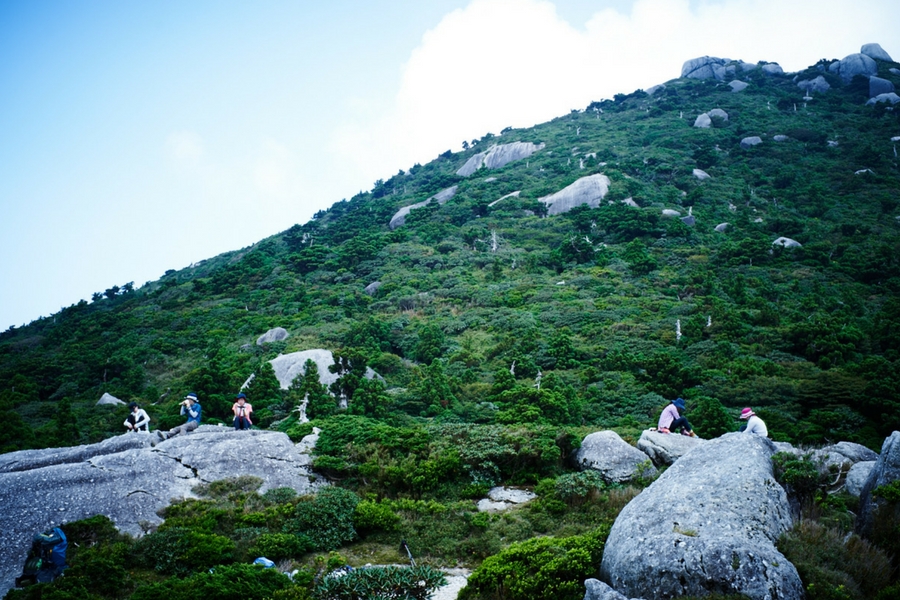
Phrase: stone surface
[857,477]
[749,142]
[814,85]
[891,97]
[701,174]
[738,86]
[772,69]
[886,470]
[853,452]
[289,366]
[666,448]
[277,334]
[718,113]
[708,525]
[588,190]
[594,589]
[513,495]
[721,227]
[856,64]
[129,480]
[878,86]
[372,288]
[656,88]
[787,243]
[780,138]
[629,201]
[704,67]
[510,195]
[894,71]
[875,51]
[689,220]
[615,459]
[441,197]
[488,505]
[499,156]
[108,399]
[668,212]
[703,121]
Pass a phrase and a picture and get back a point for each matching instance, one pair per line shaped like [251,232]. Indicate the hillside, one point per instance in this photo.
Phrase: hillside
[618,304]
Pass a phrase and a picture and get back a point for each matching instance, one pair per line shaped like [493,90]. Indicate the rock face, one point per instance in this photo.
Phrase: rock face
[703,121]
[441,197]
[705,67]
[721,227]
[891,97]
[666,448]
[503,498]
[718,113]
[738,86]
[857,477]
[886,470]
[878,86]
[814,85]
[595,589]
[701,174]
[772,69]
[372,288]
[615,459]
[787,242]
[707,525]
[749,142]
[277,334]
[499,156]
[588,190]
[128,480]
[855,64]
[875,51]
[109,400]
[288,366]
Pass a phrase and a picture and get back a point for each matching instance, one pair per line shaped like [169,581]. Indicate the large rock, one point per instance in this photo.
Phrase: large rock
[875,51]
[700,174]
[705,67]
[703,121]
[814,85]
[441,198]
[852,452]
[856,64]
[128,480]
[588,190]
[786,242]
[718,113]
[772,69]
[615,459]
[878,86]
[749,142]
[594,589]
[891,97]
[288,366]
[277,334]
[108,399]
[666,448]
[738,86]
[499,156]
[708,525]
[857,477]
[885,471]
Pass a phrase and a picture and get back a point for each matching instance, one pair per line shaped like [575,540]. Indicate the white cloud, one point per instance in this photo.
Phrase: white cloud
[186,147]
[499,63]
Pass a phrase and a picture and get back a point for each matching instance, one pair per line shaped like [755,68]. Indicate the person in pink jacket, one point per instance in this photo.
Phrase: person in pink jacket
[242,411]
[670,419]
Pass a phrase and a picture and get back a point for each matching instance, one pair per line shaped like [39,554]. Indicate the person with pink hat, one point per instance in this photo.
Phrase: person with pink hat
[754,425]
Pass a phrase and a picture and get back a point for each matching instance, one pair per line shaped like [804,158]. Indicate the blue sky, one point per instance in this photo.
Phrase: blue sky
[140,137]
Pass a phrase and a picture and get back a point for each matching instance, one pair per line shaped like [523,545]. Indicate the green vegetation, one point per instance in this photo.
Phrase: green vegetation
[503,336]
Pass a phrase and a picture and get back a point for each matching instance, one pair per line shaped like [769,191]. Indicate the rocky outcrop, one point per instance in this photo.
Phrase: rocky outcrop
[780,138]
[708,525]
[718,113]
[588,190]
[288,366]
[814,85]
[878,86]
[885,471]
[499,156]
[738,86]
[703,121]
[595,589]
[721,227]
[787,242]
[700,174]
[749,142]
[857,477]
[441,198]
[853,65]
[278,334]
[666,448]
[875,51]
[108,399]
[772,69]
[706,67]
[503,498]
[372,288]
[615,459]
[891,97]
[668,212]
[128,479]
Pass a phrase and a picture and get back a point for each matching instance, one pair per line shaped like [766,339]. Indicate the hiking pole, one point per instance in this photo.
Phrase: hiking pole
[403,547]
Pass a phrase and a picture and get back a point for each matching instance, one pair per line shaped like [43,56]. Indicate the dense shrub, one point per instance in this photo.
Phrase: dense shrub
[278,546]
[230,582]
[381,583]
[180,551]
[326,518]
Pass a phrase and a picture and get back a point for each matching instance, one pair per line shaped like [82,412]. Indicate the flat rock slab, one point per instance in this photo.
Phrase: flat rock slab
[588,190]
[666,448]
[615,459]
[707,525]
[128,479]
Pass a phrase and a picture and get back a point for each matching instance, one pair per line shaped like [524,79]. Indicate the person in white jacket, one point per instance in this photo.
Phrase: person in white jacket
[754,425]
[138,420]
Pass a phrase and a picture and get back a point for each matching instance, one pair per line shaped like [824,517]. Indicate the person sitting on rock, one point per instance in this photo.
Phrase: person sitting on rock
[138,420]
[670,420]
[190,406]
[242,410]
[754,424]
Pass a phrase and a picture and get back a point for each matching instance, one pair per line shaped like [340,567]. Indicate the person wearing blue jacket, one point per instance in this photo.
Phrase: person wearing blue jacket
[190,406]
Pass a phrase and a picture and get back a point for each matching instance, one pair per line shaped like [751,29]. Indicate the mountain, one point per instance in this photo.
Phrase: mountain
[731,238]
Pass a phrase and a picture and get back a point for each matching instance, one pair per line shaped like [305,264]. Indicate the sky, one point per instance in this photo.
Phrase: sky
[137,137]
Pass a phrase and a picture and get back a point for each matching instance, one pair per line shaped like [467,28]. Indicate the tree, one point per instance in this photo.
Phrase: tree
[369,399]
[350,367]
[709,418]
[65,424]
[434,389]
[264,390]
[320,403]
[431,343]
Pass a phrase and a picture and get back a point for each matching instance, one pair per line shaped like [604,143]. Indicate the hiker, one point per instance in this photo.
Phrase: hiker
[670,420]
[190,406]
[138,420]
[754,425]
[47,558]
[242,410]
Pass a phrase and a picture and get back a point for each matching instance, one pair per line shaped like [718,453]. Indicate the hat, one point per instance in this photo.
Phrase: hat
[679,403]
[241,395]
[747,413]
[132,405]
[191,396]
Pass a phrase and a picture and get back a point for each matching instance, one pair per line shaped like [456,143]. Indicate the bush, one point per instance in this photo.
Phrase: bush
[278,546]
[326,518]
[381,583]
[539,569]
[179,551]
[233,582]
[372,516]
